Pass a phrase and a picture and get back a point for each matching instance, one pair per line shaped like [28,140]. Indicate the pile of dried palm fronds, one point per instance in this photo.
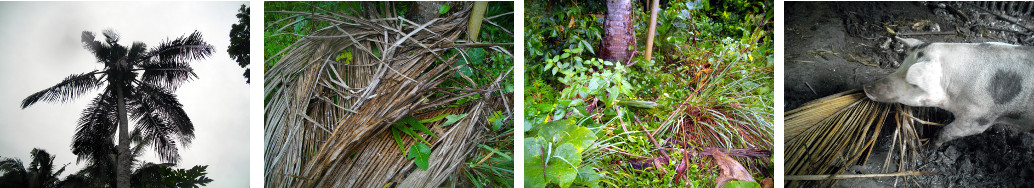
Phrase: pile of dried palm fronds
[828,135]
[328,121]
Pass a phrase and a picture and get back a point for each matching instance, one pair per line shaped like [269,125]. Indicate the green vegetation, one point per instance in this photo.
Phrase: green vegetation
[594,123]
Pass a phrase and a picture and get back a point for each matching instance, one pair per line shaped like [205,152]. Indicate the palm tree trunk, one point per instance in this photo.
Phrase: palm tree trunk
[124,161]
[618,32]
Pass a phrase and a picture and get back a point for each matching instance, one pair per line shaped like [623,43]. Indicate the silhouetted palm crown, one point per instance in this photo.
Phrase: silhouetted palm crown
[39,174]
[147,79]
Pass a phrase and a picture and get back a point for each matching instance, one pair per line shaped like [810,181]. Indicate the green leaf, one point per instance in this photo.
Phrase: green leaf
[587,176]
[741,184]
[476,55]
[495,151]
[434,119]
[555,130]
[534,170]
[346,55]
[580,138]
[409,132]
[398,139]
[300,24]
[498,123]
[443,9]
[563,165]
[449,120]
[419,153]
[415,124]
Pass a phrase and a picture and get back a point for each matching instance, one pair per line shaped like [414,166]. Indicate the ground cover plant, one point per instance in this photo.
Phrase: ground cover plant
[389,94]
[697,114]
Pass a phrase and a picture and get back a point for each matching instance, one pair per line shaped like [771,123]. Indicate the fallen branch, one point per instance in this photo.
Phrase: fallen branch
[1009,19]
[626,153]
[848,176]
[926,33]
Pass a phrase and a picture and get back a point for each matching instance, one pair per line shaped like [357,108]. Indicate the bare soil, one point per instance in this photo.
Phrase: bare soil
[831,47]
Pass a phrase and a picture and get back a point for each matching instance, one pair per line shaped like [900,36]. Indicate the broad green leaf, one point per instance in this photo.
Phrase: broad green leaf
[741,184]
[563,164]
[580,138]
[534,175]
[476,55]
[498,123]
[449,120]
[554,130]
[419,153]
[587,176]
[443,9]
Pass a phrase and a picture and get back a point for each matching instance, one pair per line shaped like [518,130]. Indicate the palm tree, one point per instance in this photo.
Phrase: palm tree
[39,174]
[138,83]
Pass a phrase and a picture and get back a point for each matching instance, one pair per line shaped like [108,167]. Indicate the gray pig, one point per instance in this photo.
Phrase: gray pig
[982,84]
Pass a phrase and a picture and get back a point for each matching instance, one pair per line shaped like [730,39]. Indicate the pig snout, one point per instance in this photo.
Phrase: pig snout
[875,91]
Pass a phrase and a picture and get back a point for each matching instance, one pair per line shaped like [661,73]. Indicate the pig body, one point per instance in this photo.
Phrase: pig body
[981,84]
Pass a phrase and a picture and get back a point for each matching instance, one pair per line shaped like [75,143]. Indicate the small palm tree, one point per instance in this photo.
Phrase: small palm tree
[39,174]
[137,83]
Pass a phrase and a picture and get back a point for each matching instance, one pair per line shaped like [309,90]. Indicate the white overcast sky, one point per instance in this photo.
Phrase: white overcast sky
[40,45]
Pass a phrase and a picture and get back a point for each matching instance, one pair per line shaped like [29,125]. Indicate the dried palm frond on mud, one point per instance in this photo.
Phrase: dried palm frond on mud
[328,121]
[828,135]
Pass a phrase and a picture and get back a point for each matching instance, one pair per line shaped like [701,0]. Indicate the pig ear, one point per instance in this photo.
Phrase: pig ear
[923,74]
[910,42]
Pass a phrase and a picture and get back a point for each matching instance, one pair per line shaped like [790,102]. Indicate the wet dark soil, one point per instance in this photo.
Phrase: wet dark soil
[831,47]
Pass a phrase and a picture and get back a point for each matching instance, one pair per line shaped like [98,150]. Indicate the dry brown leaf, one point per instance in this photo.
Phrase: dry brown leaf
[731,170]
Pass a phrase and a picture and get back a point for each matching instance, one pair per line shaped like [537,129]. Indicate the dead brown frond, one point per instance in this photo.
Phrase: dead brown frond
[327,121]
[829,135]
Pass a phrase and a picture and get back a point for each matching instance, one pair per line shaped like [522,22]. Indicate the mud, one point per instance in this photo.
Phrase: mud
[831,47]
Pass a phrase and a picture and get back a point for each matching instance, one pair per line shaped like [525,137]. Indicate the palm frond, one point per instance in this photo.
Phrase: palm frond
[136,52]
[327,122]
[68,89]
[90,43]
[9,165]
[167,64]
[161,120]
[93,136]
[43,166]
[829,135]
[167,75]
[111,35]
[182,49]
[148,173]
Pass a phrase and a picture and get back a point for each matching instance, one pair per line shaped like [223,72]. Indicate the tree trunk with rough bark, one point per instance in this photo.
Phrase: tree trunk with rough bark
[124,162]
[618,31]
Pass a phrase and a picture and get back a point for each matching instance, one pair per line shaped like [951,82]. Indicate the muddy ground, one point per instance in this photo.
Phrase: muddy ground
[831,47]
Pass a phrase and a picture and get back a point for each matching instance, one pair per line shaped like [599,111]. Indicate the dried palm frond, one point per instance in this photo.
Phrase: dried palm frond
[327,121]
[828,135]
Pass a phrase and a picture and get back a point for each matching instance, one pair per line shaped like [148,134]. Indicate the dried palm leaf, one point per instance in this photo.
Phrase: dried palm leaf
[828,135]
[327,121]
